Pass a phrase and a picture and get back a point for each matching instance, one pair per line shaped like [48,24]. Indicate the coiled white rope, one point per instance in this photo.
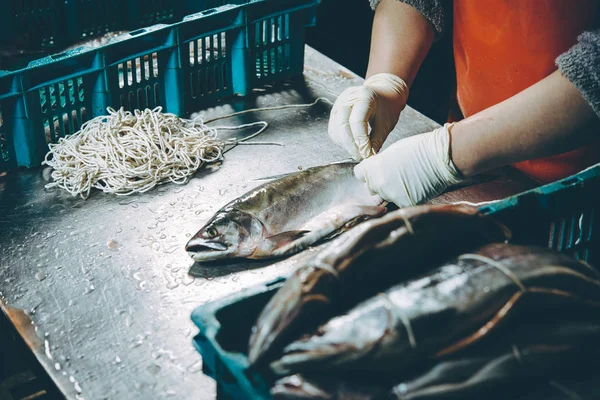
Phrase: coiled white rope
[124,153]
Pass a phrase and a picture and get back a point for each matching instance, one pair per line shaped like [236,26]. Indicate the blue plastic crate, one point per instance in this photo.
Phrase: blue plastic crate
[561,215]
[274,36]
[223,339]
[182,66]
[56,24]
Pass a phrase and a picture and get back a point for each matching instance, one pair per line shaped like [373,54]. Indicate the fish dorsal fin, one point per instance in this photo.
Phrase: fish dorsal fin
[273,177]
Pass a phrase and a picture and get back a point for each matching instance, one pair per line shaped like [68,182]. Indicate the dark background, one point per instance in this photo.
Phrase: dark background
[343,33]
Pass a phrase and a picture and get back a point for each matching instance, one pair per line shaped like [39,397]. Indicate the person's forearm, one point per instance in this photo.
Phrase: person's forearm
[400,40]
[548,118]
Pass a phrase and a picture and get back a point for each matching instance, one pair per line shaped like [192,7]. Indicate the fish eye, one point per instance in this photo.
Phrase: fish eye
[211,232]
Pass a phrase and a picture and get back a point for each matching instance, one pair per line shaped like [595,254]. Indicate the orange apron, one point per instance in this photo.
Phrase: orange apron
[501,47]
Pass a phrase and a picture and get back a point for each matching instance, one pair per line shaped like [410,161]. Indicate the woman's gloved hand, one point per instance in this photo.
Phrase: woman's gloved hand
[379,101]
[412,170]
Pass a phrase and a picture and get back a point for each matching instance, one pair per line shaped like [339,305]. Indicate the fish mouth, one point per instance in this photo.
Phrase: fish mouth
[198,245]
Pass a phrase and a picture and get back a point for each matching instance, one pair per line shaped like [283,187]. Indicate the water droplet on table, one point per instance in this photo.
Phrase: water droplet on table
[113,245]
[195,367]
[47,349]
[140,282]
[171,249]
[40,275]
[187,280]
[153,369]
[171,281]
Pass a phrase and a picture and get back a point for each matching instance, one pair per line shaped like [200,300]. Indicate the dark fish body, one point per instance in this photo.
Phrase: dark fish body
[444,313]
[363,261]
[514,361]
[300,387]
[514,374]
[286,215]
[517,366]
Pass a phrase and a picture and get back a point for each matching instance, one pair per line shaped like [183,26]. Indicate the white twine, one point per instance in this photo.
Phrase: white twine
[124,153]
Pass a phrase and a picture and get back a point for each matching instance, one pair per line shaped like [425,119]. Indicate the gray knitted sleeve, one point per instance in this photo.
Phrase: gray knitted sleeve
[432,10]
[581,66]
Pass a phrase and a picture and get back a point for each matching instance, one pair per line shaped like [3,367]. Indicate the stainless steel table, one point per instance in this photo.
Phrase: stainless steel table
[102,289]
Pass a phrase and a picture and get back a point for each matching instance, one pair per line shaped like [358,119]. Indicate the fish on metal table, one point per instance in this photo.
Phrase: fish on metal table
[445,312]
[370,257]
[287,215]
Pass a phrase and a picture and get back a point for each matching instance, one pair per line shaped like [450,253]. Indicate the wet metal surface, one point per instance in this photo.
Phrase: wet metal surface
[106,281]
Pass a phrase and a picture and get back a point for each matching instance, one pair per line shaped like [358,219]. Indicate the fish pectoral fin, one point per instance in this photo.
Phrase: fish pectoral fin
[347,214]
[374,211]
[283,239]
[286,237]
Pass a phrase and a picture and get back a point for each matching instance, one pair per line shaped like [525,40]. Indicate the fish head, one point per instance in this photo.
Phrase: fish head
[228,234]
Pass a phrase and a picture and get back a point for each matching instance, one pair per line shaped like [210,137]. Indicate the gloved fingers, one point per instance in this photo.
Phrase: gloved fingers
[363,170]
[359,125]
[382,174]
[360,172]
[379,133]
[385,123]
[339,129]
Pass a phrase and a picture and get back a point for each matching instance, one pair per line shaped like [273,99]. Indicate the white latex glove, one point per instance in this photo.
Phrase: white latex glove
[412,170]
[379,102]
